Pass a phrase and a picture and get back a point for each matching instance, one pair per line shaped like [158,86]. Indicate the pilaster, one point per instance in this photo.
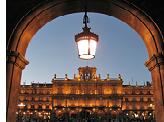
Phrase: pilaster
[156,66]
[15,64]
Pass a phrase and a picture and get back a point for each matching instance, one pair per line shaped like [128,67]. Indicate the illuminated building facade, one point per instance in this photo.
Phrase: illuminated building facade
[86,97]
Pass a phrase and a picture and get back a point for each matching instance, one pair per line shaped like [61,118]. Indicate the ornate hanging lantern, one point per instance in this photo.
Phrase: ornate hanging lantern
[86,41]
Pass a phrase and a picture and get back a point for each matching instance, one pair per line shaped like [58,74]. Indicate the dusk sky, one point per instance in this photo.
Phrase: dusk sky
[53,50]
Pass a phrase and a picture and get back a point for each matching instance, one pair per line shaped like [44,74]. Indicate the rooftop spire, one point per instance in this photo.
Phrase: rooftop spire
[119,77]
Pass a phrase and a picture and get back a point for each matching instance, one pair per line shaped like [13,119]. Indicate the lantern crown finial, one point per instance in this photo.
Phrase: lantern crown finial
[86,29]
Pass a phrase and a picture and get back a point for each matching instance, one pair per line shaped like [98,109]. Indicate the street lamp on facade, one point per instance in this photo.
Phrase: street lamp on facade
[86,41]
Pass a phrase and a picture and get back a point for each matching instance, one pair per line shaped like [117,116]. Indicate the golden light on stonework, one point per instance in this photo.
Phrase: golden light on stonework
[86,41]
[21,105]
[151,105]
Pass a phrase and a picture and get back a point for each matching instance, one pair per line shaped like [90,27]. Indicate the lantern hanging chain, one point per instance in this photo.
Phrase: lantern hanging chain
[86,18]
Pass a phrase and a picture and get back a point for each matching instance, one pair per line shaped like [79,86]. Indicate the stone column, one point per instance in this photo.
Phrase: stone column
[156,67]
[15,64]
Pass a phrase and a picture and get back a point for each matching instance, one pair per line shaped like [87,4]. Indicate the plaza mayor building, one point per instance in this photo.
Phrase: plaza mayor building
[86,98]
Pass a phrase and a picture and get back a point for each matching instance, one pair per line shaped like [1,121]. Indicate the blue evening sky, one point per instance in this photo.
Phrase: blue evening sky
[53,50]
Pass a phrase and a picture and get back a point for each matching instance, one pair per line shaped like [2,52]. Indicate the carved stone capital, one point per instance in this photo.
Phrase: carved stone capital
[155,61]
[17,59]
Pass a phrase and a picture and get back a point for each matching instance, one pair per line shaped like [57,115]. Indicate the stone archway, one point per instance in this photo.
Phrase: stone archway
[49,10]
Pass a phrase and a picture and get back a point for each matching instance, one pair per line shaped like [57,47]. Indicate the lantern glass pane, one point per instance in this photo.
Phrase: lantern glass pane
[93,45]
[83,47]
[87,48]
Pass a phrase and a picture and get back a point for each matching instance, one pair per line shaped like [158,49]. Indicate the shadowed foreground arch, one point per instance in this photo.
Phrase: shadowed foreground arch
[49,10]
